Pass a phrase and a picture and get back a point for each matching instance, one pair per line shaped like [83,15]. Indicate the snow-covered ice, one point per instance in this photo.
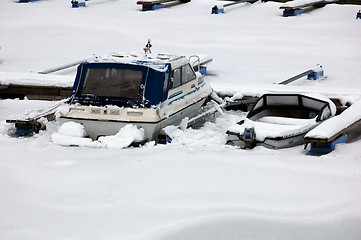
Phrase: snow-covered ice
[195,187]
[34,79]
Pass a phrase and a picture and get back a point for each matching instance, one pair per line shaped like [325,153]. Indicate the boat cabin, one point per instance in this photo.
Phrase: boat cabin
[130,81]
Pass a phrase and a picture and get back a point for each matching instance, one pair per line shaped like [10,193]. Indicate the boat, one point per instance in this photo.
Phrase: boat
[149,91]
[280,120]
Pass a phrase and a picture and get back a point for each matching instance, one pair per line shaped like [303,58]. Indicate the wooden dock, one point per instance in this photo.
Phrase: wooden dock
[220,8]
[343,131]
[35,86]
[157,4]
[297,7]
[302,5]
[34,92]
[342,128]
[154,2]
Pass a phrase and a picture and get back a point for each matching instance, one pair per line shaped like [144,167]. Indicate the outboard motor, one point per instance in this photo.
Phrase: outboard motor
[249,137]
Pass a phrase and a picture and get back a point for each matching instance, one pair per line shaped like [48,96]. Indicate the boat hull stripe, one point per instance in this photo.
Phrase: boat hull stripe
[175,94]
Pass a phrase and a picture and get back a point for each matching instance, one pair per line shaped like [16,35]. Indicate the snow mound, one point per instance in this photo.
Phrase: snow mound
[74,134]
[71,134]
[72,129]
[126,136]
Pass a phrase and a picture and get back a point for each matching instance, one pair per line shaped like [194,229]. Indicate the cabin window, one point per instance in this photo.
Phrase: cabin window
[176,77]
[187,74]
[112,82]
[182,75]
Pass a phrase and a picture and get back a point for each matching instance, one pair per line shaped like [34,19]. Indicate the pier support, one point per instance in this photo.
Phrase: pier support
[295,12]
[78,3]
[327,147]
[152,7]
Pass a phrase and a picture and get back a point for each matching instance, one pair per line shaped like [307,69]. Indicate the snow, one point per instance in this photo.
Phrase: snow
[195,187]
[318,68]
[153,61]
[334,125]
[74,134]
[71,134]
[126,136]
[72,129]
[34,79]
[273,127]
[68,140]
[297,3]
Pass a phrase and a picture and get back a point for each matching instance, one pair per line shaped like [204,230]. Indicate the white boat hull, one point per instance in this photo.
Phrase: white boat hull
[97,127]
[286,142]
[106,121]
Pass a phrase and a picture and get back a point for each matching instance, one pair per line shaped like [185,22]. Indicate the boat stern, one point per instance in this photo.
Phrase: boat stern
[108,120]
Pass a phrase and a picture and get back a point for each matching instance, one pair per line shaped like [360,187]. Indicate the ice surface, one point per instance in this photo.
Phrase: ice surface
[195,187]
[34,79]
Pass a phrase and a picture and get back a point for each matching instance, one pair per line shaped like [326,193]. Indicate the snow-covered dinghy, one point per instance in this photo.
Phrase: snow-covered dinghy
[280,120]
[150,92]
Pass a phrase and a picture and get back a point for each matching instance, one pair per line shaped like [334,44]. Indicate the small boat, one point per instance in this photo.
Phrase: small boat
[280,120]
[148,91]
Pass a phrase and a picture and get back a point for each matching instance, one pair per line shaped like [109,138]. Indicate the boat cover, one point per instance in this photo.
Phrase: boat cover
[120,84]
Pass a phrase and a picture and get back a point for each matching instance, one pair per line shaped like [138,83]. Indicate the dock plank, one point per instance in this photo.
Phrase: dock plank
[154,2]
[336,126]
[298,4]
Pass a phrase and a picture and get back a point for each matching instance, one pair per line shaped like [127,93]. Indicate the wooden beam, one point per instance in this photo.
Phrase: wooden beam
[154,2]
[302,5]
[327,140]
[35,92]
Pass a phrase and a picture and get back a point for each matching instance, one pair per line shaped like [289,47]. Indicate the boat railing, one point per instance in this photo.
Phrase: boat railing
[198,60]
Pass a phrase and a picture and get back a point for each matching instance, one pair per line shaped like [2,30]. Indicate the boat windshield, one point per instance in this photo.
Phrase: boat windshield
[112,82]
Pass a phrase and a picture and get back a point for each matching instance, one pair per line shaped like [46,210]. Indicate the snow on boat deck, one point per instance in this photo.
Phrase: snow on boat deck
[273,127]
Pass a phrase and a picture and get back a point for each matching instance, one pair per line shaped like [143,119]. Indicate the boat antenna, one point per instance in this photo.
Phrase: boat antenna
[147,48]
